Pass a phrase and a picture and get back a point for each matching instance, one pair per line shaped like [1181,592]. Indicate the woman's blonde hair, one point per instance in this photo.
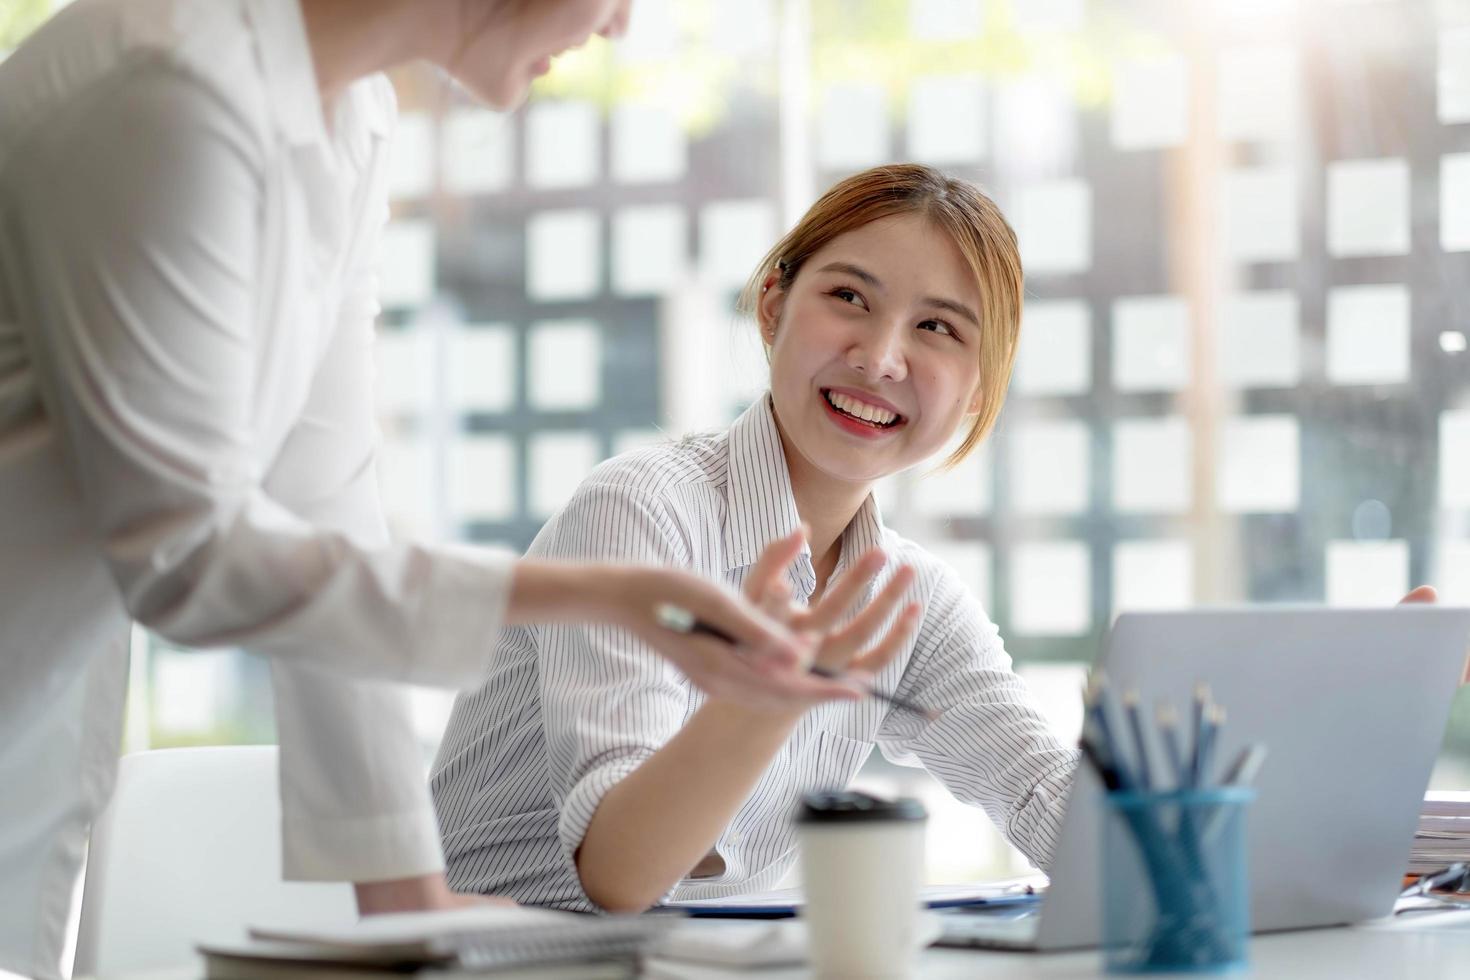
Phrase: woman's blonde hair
[972,220]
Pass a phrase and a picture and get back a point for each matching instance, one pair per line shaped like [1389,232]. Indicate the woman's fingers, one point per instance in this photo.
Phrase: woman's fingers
[770,568]
[844,592]
[844,645]
[893,643]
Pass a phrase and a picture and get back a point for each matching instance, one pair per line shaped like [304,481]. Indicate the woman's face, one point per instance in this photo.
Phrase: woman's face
[519,39]
[874,349]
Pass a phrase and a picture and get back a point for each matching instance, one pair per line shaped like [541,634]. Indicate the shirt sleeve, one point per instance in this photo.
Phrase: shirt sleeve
[354,800]
[608,700]
[990,746]
[137,270]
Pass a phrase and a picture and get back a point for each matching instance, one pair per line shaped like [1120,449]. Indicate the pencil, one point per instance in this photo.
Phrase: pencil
[1140,743]
[1169,735]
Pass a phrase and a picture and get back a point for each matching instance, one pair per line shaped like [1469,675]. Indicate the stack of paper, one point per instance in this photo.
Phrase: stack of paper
[1443,837]
[501,942]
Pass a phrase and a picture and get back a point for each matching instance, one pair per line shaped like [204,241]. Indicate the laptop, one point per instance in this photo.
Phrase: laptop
[1352,704]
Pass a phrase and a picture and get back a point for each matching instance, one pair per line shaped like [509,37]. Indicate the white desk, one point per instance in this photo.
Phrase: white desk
[1421,946]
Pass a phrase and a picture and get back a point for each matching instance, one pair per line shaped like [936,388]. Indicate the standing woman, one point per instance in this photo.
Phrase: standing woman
[190,196]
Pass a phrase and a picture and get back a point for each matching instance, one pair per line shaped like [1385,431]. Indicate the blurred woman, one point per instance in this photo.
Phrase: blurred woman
[190,196]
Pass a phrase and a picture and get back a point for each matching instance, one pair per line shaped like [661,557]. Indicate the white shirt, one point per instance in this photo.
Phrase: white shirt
[568,711]
[187,435]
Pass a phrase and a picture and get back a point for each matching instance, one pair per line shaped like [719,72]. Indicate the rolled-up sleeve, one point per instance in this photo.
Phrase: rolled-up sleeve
[990,745]
[608,700]
[137,271]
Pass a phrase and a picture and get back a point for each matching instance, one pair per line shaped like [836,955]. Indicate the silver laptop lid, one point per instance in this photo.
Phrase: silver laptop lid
[1352,704]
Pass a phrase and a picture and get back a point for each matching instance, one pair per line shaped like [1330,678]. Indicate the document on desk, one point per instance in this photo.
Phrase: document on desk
[783,902]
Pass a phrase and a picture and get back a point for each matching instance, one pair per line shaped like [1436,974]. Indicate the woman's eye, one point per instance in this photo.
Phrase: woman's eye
[848,296]
[938,326]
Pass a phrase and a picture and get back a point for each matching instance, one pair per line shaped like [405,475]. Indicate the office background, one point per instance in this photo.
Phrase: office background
[1243,374]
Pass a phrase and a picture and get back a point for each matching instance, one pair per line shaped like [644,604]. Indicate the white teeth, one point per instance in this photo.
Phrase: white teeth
[859,409]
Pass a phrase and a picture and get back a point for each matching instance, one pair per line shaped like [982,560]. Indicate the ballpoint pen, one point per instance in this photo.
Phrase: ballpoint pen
[681,620]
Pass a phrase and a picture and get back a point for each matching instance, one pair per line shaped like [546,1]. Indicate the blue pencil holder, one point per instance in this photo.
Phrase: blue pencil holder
[1175,892]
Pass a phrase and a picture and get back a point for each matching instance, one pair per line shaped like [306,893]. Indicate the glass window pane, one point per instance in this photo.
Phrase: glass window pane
[733,235]
[1152,466]
[1454,75]
[1259,215]
[1454,458]
[1368,335]
[1054,356]
[408,481]
[1049,467]
[959,492]
[1368,207]
[411,157]
[1054,224]
[947,119]
[479,151]
[482,478]
[852,127]
[1051,588]
[404,361]
[1367,573]
[1258,93]
[649,249]
[561,144]
[648,144]
[1452,572]
[1260,340]
[406,268]
[1150,102]
[563,255]
[1259,465]
[1152,575]
[565,362]
[559,462]
[482,369]
[1151,343]
[972,561]
[1454,202]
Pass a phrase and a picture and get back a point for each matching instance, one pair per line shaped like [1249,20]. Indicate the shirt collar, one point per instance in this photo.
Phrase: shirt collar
[762,507]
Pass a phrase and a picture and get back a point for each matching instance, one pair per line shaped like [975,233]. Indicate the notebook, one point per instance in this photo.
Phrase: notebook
[485,939]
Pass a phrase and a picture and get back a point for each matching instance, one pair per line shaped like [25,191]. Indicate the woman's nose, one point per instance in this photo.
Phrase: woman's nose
[879,355]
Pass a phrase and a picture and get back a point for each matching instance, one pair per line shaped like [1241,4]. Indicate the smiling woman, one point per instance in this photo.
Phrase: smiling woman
[890,314]
[947,217]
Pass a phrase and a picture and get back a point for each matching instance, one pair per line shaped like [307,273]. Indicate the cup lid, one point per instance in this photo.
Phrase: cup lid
[850,806]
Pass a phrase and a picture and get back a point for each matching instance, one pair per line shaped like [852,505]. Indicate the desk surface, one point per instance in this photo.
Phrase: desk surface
[1423,946]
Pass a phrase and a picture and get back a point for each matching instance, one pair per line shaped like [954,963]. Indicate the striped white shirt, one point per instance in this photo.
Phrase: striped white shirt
[570,710]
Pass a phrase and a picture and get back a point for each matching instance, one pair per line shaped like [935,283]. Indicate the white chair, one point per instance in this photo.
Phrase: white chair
[189,849]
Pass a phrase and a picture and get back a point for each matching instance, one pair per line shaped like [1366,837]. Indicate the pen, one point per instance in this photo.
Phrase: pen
[681,620]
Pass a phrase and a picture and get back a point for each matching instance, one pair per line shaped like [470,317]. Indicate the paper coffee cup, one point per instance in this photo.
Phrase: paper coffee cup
[862,866]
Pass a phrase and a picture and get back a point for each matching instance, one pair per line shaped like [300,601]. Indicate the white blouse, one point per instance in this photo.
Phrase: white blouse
[187,435]
[568,710]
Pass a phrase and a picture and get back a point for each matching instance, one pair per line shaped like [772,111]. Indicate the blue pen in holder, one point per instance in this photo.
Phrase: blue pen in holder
[1175,894]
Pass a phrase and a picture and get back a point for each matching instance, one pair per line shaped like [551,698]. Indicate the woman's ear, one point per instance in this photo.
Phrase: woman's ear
[768,308]
[977,401]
